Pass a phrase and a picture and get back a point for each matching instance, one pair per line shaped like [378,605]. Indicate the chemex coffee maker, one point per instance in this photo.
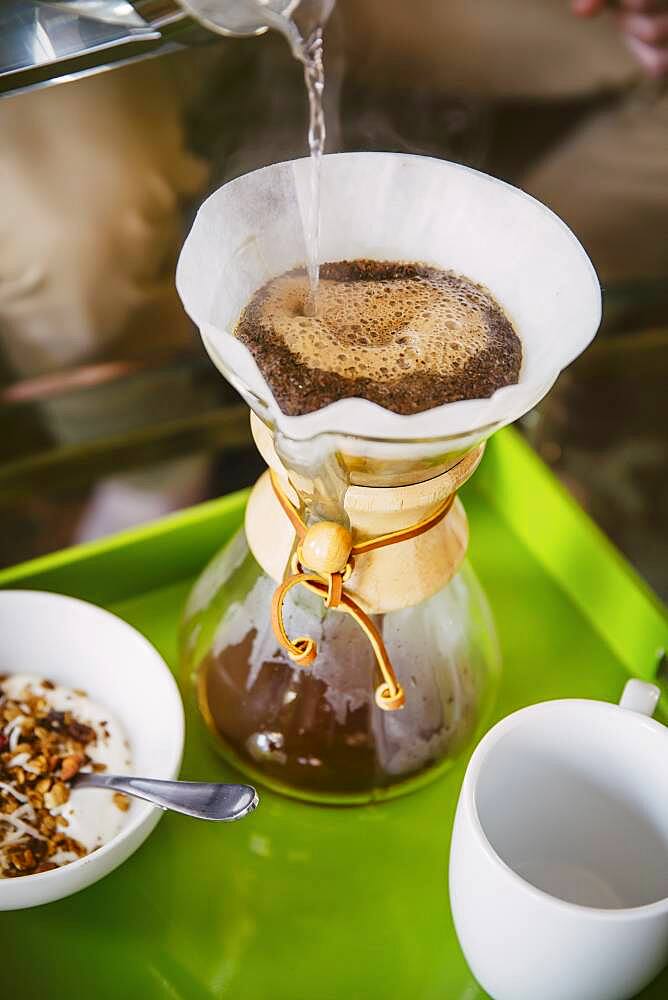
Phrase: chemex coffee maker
[340,648]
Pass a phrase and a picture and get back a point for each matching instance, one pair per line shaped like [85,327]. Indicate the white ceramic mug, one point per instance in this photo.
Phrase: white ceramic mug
[559,857]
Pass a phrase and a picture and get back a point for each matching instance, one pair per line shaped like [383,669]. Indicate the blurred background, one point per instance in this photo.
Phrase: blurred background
[111,413]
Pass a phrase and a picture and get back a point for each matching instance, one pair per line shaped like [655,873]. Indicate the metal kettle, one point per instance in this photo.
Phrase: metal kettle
[46,42]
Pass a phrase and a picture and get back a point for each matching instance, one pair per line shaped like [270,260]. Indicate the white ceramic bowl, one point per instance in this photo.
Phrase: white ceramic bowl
[81,646]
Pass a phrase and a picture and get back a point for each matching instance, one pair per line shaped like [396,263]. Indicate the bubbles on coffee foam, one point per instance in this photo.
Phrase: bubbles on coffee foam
[407,336]
[381,329]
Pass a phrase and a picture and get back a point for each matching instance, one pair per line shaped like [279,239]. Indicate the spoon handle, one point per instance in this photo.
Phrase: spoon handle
[201,799]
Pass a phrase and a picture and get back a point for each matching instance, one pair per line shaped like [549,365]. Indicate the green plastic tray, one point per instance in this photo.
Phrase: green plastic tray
[301,901]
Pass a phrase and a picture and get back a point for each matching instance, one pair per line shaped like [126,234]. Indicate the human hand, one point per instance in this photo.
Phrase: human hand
[644,24]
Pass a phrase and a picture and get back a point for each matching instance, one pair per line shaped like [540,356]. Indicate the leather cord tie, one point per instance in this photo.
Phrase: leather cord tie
[323,563]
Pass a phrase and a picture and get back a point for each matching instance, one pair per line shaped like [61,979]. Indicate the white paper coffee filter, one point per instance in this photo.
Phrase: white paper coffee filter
[390,206]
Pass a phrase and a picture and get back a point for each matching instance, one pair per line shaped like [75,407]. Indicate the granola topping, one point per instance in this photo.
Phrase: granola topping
[48,734]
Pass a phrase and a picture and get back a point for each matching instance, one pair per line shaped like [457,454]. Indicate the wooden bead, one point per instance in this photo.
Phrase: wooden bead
[326,547]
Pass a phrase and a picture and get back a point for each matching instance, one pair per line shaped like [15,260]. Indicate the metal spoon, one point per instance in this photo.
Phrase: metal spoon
[201,799]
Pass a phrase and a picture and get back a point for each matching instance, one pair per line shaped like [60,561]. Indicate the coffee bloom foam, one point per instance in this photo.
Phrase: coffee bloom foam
[406,336]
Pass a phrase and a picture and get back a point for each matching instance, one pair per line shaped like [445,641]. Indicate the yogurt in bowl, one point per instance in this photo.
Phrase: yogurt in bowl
[104,700]
[48,735]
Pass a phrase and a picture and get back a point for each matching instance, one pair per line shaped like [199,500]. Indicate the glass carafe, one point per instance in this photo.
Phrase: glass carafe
[316,731]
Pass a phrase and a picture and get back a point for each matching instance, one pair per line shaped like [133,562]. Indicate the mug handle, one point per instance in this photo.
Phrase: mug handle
[639,696]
